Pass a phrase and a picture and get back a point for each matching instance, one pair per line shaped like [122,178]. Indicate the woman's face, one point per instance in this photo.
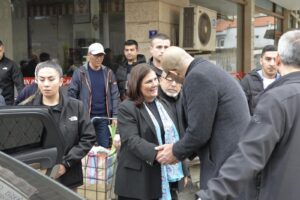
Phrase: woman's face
[149,86]
[49,82]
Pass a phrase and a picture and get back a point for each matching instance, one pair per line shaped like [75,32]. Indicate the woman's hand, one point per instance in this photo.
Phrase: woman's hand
[61,171]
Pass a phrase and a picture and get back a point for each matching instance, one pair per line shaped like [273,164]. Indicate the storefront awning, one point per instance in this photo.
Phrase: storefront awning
[288,4]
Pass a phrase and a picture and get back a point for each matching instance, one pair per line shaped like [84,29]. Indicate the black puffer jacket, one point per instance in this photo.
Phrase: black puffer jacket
[79,135]
[252,85]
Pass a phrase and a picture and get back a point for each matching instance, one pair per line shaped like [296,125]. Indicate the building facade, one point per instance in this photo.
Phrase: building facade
[65,28]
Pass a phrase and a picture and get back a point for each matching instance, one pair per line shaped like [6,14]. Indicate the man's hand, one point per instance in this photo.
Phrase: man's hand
[165,154]
[114,122]
[117,141]
[61,171]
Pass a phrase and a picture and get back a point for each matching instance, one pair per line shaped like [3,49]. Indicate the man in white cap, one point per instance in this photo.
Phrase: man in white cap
[95,84]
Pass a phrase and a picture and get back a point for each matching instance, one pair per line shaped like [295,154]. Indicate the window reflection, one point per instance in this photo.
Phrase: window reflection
[267,30]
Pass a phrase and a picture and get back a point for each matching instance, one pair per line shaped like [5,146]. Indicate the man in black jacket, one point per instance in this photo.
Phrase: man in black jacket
[10,76]
[159,43]
[132,58]
[271,143]
[259,79]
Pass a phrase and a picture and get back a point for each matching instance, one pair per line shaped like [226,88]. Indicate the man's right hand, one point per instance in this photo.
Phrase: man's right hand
[117,141]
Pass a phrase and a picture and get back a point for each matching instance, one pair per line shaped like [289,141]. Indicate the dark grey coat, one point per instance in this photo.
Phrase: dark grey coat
[216,113]
[138,174]
[270,147]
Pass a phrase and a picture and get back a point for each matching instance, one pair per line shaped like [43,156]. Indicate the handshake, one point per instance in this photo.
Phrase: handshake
[165,154]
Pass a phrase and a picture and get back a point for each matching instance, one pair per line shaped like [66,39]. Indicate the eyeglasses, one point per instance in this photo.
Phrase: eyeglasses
[172,76]
[168,79]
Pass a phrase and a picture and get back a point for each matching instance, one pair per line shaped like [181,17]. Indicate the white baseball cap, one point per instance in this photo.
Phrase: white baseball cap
[96,48]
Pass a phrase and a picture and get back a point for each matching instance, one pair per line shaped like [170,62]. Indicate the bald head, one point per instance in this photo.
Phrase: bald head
[175,58]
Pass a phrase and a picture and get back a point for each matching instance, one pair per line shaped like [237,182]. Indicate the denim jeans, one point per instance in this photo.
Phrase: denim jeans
[102,132]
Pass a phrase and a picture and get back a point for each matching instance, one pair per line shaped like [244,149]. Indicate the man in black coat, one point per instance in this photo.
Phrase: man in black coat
[132,58]
[271,143]
[159,43]
[10,76]
[259,79]
[215,110]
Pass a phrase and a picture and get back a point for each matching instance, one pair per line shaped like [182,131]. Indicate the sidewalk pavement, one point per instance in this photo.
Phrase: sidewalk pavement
[193,187]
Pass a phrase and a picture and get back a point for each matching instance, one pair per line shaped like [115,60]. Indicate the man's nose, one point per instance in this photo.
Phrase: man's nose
[46,83]
[272,62]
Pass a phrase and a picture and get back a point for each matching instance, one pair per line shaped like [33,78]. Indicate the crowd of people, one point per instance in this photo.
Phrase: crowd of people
[172,108]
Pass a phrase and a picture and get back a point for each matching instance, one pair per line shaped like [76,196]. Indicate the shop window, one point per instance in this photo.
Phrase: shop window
[267,30]
[65,28]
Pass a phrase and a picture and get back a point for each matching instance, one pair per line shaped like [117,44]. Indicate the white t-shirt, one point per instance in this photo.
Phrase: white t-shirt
[266,81]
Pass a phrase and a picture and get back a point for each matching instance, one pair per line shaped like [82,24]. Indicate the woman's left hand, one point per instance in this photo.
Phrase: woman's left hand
[61,171]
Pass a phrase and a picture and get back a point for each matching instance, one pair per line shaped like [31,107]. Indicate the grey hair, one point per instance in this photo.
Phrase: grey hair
[289,48]
[50,64]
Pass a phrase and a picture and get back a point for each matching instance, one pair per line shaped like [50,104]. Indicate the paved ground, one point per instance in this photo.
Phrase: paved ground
[189,192]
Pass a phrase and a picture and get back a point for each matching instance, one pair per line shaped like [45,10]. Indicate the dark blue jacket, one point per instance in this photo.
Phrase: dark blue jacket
[26,92]
[80,88]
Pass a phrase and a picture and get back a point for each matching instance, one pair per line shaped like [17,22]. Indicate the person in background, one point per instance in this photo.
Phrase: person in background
[259,79]
[44,56]
[108,60]
[144,123]
[73,121]
[159,43]
[31,89]
[132,58]
[10,76]
[28,70]
[96,86]
[215,113]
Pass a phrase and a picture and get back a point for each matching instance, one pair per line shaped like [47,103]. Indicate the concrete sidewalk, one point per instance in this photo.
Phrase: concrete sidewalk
[193,187]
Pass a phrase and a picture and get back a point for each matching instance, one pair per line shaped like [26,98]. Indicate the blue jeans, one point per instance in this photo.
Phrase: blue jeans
[102,132]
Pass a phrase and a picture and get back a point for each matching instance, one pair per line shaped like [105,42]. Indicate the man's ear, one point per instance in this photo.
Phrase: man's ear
[61,81]
[278,60]
[260,61]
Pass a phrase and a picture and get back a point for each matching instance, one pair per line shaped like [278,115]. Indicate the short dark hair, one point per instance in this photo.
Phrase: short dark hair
[131,42]
[161,36]
[44,56]
[137,75]
[268,48]
[1,43]
[107,51]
